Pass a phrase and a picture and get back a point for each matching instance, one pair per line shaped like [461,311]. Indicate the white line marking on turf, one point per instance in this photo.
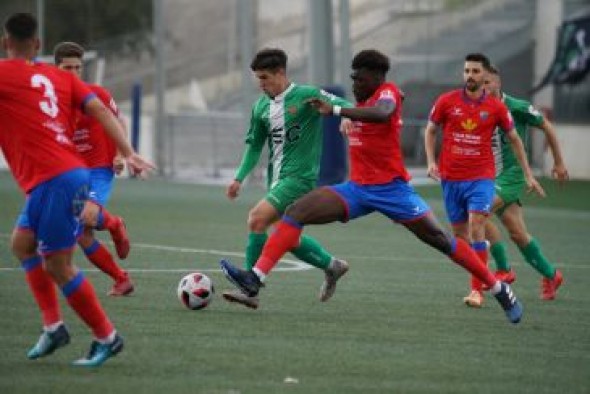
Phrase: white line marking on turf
[294,265]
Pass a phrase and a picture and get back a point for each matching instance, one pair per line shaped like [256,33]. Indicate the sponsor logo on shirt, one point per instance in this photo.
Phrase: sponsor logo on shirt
[468,125]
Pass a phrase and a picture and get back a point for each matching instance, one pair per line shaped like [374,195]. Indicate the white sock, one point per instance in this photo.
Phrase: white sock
[261,276]
[496,287]
[53,327]
[108,339]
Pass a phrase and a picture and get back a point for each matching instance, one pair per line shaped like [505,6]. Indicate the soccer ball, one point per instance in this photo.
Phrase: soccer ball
[195,291]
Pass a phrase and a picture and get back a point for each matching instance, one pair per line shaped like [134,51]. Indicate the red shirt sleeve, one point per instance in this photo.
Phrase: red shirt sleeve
[437,114]
[107,99]
[81,93]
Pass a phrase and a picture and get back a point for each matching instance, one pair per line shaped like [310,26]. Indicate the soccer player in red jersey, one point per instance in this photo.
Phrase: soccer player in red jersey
[37,103]
[100,155]
[469,117]
[378,182]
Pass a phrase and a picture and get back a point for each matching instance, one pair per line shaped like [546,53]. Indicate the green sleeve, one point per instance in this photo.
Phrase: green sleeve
[333,99]
[532,115]
[255,139]
[249,160]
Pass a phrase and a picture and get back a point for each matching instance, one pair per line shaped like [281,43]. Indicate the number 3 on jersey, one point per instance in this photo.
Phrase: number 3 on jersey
[48,106]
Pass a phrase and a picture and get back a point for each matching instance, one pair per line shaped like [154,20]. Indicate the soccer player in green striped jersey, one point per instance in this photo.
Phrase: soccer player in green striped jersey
[283,119]
[510,187]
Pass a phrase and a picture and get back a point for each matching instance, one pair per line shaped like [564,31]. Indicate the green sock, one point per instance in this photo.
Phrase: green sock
[498,251]
[254,247]
[533,255]
[311,252]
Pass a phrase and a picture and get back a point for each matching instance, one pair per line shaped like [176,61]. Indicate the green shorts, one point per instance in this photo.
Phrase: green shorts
[286,191]
[510,187]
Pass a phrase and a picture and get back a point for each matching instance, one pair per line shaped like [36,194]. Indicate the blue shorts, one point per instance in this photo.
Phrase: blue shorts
[397,200]
[52,208]
[462,197]
[101,185]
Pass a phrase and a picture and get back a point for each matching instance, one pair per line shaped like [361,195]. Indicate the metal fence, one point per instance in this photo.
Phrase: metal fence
[207,147]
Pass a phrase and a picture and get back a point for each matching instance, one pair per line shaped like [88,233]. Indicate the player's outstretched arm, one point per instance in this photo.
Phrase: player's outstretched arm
[429,147]
[380,113]
[559,170]
[518,148]
[137,164]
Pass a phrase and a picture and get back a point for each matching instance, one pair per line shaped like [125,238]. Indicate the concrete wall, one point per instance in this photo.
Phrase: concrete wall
[575,142]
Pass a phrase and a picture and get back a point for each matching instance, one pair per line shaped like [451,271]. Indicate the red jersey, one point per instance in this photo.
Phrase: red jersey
[374,148]
[468,126]
[95,147]
[37,104]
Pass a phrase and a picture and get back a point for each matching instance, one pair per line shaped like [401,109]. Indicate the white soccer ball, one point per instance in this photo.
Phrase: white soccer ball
[195,291]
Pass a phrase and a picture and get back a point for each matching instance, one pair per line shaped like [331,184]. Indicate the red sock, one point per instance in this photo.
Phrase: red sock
[100,256]
[477,284]
[284,238]
[43,289]
[106,220]
[467,258]
[82,298]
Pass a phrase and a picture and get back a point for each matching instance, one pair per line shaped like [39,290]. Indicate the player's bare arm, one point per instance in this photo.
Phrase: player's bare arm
[137,164]
[518,148]
[429,146]
[559,170]
[380,113]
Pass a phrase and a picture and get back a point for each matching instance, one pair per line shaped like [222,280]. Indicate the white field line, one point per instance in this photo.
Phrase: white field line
[294,265]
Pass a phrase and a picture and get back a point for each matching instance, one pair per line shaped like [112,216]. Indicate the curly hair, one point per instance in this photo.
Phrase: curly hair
[371,59]
[21,26]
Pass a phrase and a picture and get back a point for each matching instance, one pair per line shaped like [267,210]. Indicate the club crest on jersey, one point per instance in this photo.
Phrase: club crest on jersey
[468,125]
[292,109]
[483,115]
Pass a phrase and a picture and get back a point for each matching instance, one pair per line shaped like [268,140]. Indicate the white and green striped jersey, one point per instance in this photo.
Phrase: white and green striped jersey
[292,129]
[524,115]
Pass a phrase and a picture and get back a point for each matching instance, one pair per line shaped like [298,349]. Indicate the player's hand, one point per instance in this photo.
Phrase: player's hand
[323,107]
[560,173]
[139,166]
[118,165]
[346,126]
[433,172]
[233,190]
[534,186]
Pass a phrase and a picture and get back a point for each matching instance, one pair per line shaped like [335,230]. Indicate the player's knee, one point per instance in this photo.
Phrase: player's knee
[440,240]
[520,238]
[257,223]
[86,239]
[23,245]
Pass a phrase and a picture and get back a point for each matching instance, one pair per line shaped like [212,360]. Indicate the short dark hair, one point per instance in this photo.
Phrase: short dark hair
[269,59]
[479,58]
[67,49]
[372,60]
[21,26]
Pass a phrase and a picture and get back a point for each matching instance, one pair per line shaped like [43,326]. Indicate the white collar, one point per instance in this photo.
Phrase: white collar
[281,97]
